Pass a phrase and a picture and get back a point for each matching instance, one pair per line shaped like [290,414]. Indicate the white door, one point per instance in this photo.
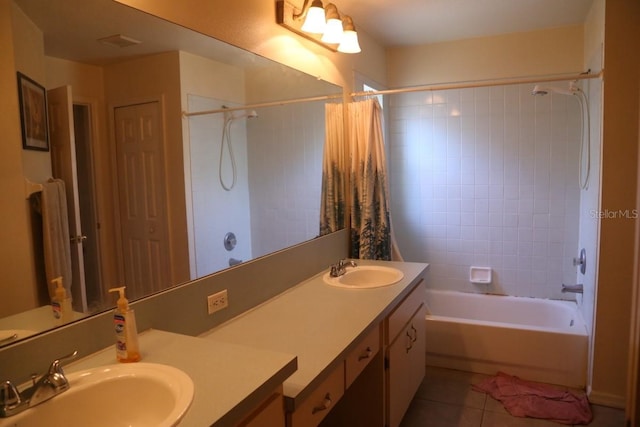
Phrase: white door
[142,198]
[63,164]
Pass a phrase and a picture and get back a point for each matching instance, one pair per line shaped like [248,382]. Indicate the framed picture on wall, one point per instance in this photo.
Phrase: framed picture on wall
[33,114]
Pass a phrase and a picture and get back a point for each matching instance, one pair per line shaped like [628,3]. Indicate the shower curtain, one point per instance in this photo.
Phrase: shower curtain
[332,204]
[371,234]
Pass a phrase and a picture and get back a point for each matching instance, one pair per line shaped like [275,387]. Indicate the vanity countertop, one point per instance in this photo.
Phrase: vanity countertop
[230,380]
[317,322]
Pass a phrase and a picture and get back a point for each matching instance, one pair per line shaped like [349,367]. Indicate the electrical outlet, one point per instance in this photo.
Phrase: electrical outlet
[217,301]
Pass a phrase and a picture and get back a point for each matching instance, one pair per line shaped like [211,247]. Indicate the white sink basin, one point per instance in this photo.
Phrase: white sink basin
[365,277]
[136,395]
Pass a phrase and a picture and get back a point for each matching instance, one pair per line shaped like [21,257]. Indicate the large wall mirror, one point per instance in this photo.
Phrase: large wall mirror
[163,197]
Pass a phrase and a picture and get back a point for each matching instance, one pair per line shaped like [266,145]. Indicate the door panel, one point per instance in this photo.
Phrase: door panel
[143,218]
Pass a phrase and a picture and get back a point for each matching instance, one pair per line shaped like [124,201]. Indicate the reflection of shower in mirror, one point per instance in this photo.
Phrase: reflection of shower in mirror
[229,118]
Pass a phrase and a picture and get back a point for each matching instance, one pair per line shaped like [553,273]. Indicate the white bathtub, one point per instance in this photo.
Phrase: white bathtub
[535,339]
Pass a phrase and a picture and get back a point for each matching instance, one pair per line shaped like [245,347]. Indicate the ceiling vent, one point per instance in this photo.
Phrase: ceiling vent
[118,40]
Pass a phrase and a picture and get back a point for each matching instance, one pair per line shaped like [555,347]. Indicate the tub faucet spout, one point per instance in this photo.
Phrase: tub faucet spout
[574,289]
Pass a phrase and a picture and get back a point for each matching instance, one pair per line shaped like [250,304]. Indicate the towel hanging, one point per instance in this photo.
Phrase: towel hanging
[55,233]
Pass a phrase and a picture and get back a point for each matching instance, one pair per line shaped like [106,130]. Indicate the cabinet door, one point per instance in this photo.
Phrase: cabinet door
[269,413]
[405,367]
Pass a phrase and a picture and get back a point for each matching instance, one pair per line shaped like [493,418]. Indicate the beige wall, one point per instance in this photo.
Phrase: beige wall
[547,52]
[619,168]
[594,37]
[16,262]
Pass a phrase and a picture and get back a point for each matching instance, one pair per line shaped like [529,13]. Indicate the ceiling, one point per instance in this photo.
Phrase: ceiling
[389,22]
[415,22]
[72,29]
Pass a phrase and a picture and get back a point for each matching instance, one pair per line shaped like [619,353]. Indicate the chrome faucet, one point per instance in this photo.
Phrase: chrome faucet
[574,289]
[50,384]
[339,268]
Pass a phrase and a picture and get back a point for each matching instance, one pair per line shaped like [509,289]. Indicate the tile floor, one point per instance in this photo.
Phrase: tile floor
[445,399]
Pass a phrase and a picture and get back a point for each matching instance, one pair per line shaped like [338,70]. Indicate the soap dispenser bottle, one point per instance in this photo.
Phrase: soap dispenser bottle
[60,303]
[124,321]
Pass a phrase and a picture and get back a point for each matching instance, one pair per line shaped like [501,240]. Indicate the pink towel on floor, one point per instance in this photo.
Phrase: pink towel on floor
[529,399]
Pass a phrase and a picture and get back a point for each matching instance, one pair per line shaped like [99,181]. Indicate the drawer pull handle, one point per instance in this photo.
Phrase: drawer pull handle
[326,403]
[409,342]
[415,334]
[367,354]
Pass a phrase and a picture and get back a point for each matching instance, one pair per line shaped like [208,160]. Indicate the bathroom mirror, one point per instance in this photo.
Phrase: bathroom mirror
[263,196]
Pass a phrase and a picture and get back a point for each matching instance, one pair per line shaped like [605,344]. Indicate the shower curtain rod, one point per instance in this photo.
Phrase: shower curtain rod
[262,105]
[481,83]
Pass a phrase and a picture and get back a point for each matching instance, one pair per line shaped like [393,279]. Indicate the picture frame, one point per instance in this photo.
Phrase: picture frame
[33,114]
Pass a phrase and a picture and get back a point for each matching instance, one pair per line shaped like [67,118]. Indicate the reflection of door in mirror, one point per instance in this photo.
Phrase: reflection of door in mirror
[72,161]
[141,193]
[63,166]
[85,167]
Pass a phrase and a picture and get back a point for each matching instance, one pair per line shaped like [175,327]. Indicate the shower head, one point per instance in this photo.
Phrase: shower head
[249,115]
[539,90]
[543,90]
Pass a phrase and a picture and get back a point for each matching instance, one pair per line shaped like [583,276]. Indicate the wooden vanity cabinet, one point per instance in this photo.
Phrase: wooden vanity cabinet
[270,412]
[405,354]
[315,407]
[346,395]
[321,400]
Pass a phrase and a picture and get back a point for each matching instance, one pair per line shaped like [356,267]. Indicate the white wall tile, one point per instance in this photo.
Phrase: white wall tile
[498,185]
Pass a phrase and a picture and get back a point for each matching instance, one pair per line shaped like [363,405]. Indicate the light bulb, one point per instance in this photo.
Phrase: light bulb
[349,43]
[315,21]
[333,31]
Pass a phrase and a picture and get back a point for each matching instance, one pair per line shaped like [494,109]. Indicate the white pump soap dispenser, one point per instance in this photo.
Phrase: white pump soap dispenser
[124,321]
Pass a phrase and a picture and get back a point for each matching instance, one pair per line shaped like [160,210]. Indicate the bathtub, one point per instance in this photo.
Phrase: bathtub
[534,339]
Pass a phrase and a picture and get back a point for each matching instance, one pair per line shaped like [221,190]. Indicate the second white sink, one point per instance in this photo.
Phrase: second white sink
[365,277]
[136,394]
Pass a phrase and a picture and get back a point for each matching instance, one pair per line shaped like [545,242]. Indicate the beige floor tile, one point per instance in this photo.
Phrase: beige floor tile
[454,375]
[606,417]
[445,399]
[453,392]
[426,413]
[496,419]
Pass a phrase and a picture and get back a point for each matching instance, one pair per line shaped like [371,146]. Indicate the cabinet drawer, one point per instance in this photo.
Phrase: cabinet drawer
[316,406]
[269,413]
[405,310]
[360,356]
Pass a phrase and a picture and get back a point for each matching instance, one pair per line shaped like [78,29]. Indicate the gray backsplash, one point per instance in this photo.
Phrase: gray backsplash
[182,309]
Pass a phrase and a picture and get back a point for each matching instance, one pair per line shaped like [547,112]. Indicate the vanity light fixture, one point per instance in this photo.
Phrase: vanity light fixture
[333,32]
[321,24]
[315,21]
[349,42]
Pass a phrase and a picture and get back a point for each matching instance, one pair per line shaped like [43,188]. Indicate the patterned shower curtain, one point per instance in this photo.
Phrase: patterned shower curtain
[369,192]
[332,205]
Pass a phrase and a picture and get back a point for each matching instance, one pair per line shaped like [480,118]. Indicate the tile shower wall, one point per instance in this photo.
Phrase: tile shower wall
[285,147]
[215,211]
[279,171]
[487,177]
